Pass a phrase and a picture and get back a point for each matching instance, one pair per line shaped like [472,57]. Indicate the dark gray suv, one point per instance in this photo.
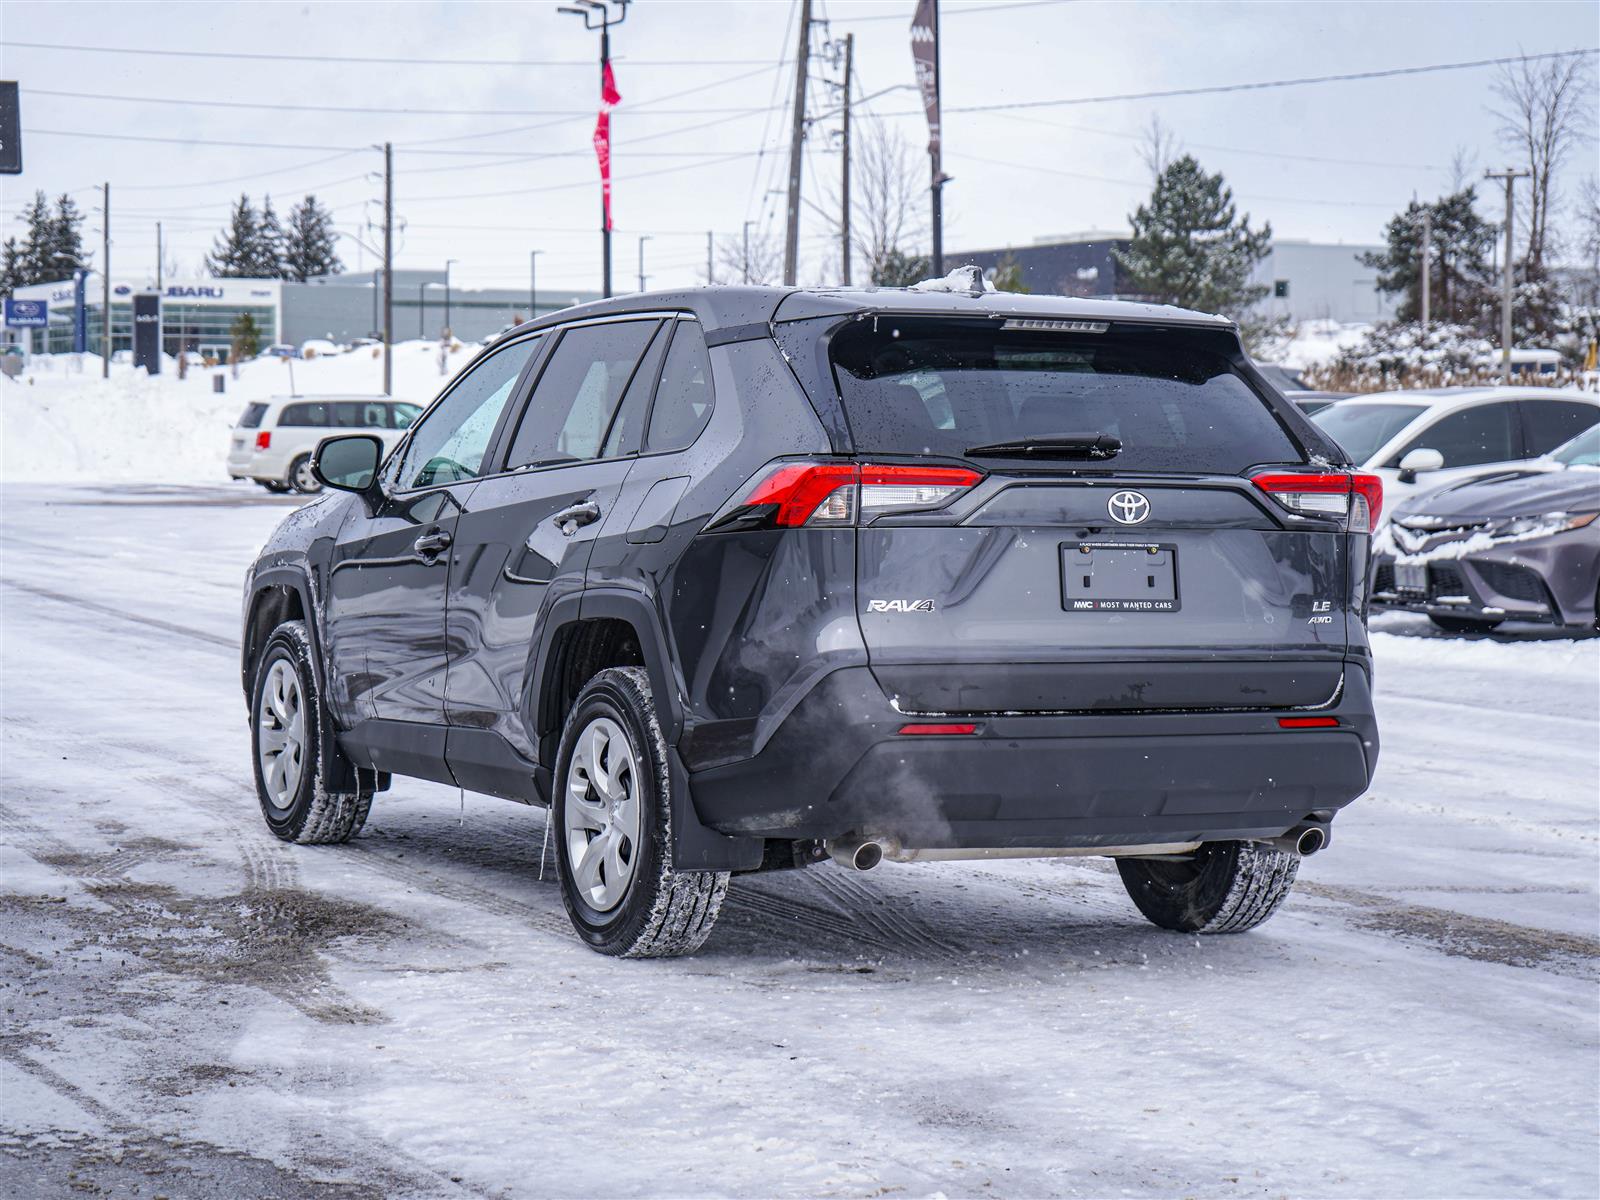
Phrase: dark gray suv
[741,579]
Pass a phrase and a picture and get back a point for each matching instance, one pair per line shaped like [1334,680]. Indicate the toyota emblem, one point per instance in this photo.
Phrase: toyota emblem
[1128,507]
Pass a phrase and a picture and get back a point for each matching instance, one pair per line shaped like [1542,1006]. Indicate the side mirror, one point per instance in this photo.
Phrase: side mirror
[349,463]
[1419,460]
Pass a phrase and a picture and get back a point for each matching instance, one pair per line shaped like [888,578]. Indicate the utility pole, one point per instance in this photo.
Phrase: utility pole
[1510,175]
[533,283]
[711,276]
[1427,267]
[791,242]
[642,240]
[844,170]
[747,225]
[160,285]
[388,269]
[105,280]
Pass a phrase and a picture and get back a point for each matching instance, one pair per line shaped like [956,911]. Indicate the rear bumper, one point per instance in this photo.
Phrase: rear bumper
[839,766]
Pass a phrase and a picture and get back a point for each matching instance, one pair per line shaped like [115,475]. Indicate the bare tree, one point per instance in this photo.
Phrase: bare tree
[1587,212]
[764,263]
[1159,148]
[888,204]
[1547,109]
[1463,169]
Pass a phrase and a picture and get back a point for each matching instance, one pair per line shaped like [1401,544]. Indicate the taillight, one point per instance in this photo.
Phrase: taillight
[1308,722]
[928,729]
[1357,498]
[833,493]
[264,440]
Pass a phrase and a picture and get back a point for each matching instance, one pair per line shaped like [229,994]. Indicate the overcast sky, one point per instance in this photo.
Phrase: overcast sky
[1327,162]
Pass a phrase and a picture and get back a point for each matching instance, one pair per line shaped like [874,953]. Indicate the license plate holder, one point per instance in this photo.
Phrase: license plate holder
[1119,577]
[1410,577]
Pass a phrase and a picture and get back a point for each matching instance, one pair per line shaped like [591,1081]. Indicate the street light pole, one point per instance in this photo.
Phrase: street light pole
[747,225]
[533,283]
[105,279]
[642,240]
[602,15]
[388,269]
[1510,175]
[447,263]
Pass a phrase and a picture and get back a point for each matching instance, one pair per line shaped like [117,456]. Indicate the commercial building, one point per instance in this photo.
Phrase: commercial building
[1305,280]
[199,314]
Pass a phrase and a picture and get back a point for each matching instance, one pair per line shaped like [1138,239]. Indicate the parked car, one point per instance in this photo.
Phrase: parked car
[1310,402]
[274,439]
[1421,440]
[739,579]
[1520,545]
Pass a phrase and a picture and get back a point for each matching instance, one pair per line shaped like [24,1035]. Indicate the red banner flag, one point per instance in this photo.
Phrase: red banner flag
[609,99]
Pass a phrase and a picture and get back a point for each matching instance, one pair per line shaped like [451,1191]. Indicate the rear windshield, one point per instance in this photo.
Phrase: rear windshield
[930,386]
[1363,429]
[252,416]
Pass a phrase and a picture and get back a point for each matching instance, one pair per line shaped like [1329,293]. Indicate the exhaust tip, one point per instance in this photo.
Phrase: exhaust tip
[867,855]
[1310,841]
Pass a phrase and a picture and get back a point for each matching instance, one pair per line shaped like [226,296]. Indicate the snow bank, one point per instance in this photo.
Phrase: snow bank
[1316,343]
[60,422]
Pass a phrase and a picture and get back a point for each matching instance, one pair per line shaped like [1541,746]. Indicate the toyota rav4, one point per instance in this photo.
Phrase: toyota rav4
[742,579]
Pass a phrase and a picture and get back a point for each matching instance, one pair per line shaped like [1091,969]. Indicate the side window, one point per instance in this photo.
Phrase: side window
[304,414]
[1485,434]
[403,414]
[1548,423]
[683,397]
[578,390]
[627,427]
[451,441]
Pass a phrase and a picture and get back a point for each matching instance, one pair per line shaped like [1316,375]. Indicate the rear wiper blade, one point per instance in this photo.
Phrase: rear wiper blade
[1087,445]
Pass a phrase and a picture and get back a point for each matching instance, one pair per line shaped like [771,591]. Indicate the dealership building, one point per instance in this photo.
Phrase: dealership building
[1305,280]
[198,314]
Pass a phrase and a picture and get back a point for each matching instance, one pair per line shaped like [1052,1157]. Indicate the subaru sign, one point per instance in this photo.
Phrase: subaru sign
[27,314]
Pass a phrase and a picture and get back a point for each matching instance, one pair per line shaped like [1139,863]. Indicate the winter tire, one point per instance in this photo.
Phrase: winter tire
[611,820]
[1224,887]
[301,479]
[1463,624]
[286,747]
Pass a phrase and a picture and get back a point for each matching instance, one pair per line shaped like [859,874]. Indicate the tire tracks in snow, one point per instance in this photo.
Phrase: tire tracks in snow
[106,610]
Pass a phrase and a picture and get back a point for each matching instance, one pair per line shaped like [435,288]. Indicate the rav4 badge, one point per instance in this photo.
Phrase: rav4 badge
[900,606]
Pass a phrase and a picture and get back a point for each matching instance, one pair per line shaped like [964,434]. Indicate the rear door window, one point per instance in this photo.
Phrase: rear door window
[919,385]
[1486,433]
[1546,424]
[312,414]
[683,397]
[570,411]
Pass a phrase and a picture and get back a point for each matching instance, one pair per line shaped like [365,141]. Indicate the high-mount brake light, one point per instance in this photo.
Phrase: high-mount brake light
[1357,498]
[832,493]
[264,440]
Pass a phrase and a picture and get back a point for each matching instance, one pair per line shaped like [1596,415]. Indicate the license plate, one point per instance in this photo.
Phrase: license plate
[1411,577]
[1119,577]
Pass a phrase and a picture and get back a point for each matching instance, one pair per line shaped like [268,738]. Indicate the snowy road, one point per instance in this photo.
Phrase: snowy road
[194,1009]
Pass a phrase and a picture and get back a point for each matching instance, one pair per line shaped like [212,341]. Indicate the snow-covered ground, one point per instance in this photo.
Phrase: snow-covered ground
[59,421]
[195,1009]
[1318,342]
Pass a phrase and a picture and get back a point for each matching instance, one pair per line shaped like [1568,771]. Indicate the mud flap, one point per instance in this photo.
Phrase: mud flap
[695,847]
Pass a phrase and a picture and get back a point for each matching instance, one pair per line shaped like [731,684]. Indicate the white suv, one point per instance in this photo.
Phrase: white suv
[273,441]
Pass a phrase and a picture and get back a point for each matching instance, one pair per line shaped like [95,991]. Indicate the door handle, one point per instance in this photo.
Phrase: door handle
[431,545]
[570,520]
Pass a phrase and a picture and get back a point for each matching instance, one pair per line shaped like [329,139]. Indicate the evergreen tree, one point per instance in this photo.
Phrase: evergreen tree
[896,268]
[1007,275]
[235,253]
[1461,271]
[308,242]
[245,338]
[36,265]
[65,239]
[11,267]
[267,258]
[1190,247]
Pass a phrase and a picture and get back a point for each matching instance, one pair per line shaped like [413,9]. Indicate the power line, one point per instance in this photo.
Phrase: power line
[250,56]
[1261,85]
[951,12]
[559,187]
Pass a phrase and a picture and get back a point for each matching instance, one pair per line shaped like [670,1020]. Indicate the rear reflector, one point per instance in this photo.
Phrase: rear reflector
[835,493]
[936,730]
[1328,496]
[1308,722]
[264,440]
